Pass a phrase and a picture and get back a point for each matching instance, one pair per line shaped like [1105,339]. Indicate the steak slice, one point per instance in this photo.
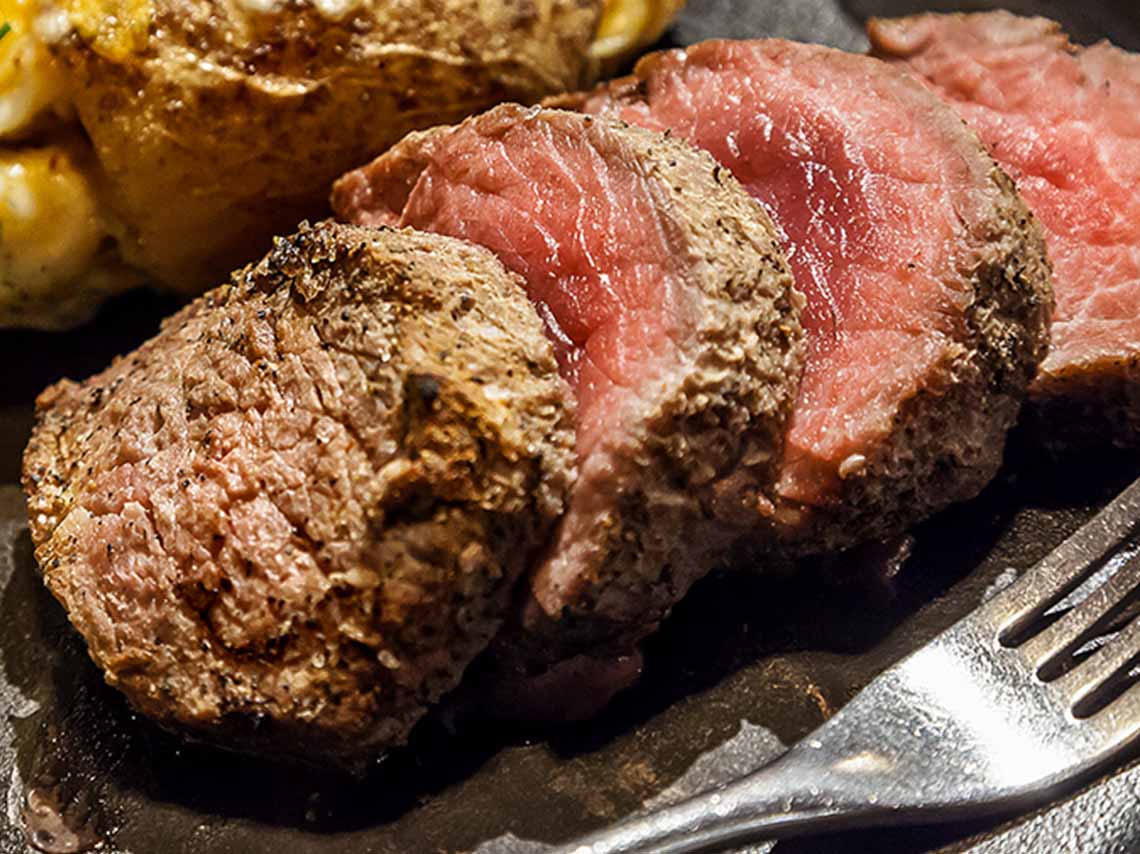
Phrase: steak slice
[1065,122]
[290,520]
[927,286]
[673,317]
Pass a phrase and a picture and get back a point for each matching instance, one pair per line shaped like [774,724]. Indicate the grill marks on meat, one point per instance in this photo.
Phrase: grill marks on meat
[670,307]
[292,518]
[926,282]
[1065,122]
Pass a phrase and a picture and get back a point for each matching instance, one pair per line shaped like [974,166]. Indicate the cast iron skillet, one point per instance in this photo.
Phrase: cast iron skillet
[746,662]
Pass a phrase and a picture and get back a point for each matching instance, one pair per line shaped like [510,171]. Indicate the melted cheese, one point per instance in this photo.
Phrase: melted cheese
[115,29]
[333,10]
[30,84]
[336,10]
[629,25]
[50,231]
[57,256]
[259,7]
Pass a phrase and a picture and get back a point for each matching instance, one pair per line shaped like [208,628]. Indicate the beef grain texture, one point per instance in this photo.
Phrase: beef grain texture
[291,519]
[928,297]
[1065,122]
[673,316]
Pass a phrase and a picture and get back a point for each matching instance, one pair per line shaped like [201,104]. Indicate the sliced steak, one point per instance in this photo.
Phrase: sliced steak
[291,519]
[1065,122]
[927,286]
[673,317]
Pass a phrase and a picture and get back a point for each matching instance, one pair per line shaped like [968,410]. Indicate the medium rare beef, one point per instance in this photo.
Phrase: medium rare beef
[926,280]
[292,518]
[1065,122]
[673,317]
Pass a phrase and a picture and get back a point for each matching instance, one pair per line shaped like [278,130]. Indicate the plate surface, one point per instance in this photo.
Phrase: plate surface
[746,664]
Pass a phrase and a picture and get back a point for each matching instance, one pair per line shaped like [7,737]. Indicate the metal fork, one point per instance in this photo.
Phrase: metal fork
[995,715]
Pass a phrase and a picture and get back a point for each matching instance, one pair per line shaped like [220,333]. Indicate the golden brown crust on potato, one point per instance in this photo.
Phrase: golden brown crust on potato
[219,125]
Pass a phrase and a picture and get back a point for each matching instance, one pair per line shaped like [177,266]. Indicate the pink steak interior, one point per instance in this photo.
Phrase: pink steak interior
[581,229]
[1067,127]
[867,194]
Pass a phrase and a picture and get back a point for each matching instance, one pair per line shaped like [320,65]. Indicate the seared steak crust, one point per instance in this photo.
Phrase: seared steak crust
[292,518]
[691,444]
[947,440]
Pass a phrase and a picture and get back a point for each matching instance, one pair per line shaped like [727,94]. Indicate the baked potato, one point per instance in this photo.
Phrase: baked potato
[57,253]
[58,259]
[32,89]
[219,124]
[215,125]
[628,27]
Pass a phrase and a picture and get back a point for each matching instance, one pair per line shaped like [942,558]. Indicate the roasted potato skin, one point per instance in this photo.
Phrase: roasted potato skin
[218,124]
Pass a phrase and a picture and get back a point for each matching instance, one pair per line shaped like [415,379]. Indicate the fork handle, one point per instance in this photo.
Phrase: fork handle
[774,802]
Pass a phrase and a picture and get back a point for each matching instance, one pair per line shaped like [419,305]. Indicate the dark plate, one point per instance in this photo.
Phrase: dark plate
[745,664]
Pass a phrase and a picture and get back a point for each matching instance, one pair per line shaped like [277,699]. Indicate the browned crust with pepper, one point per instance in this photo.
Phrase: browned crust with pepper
[293,517]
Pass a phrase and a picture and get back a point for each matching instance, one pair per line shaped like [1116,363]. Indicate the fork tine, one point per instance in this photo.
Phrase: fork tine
[1102,665]
[1070,631]
[1032,594]
[1119,722]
